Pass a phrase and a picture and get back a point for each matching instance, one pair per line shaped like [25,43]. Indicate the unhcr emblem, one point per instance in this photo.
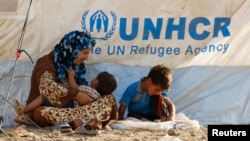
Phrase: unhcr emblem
[99,22]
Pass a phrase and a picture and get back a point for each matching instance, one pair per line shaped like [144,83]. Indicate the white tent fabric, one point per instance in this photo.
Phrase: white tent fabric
[211,73]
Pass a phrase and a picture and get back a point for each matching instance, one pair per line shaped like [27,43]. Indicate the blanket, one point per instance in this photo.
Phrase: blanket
[181,121]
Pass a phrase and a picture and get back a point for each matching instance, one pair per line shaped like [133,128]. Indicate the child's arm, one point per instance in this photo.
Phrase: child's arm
[72,82]
[33,104]
[121,111]
[171,109]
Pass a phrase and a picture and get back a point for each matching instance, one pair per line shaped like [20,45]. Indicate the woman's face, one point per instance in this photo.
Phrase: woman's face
[82,56]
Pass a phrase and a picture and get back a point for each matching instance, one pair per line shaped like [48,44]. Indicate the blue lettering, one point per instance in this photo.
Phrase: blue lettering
[219,47]
[196,51]
[179,28]
[133,49]
[149,27]
[222,48]
[116,50]
[160,51]
[221,24]
[141,50]
[123,29]
[96,50]
[204,49]
[211,48]
[189,50]
[193,26]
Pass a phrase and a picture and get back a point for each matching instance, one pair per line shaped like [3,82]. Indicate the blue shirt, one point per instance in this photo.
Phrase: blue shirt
[136,99]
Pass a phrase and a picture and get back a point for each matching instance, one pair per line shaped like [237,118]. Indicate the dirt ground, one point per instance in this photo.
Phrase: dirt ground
[31,133]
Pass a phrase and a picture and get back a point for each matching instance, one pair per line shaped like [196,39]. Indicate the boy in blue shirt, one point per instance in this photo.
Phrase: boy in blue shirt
[147,99]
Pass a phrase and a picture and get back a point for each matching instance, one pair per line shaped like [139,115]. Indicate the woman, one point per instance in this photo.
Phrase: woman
[50,78]
[51,71]
[52,74]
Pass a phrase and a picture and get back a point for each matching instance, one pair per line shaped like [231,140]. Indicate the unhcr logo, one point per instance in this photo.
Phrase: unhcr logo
[197,28]
[99,21]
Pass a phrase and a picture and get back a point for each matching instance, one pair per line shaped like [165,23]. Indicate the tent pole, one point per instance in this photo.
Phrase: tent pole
[18,53]
[1,117]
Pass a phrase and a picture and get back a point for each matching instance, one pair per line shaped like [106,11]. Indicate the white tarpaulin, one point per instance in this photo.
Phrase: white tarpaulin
[205,44]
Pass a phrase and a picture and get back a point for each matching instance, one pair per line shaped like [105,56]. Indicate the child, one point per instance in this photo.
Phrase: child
[104,84]
[147,99]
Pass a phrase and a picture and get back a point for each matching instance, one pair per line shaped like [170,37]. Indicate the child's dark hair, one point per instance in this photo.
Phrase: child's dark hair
[107,83]
[162,76]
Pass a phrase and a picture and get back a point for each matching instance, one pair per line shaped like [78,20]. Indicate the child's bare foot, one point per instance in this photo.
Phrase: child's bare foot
[19,108]
[22,119]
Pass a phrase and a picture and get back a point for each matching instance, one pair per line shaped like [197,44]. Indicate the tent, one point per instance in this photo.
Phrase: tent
[205,43]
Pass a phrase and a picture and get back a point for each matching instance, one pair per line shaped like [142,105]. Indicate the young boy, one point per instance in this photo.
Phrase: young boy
[104,84]
[147,99]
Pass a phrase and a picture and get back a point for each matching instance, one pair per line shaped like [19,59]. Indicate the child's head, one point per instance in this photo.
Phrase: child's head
[105,83]
[159,79]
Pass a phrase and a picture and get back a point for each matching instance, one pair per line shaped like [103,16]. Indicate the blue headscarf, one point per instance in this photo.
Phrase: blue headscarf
[67,50]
